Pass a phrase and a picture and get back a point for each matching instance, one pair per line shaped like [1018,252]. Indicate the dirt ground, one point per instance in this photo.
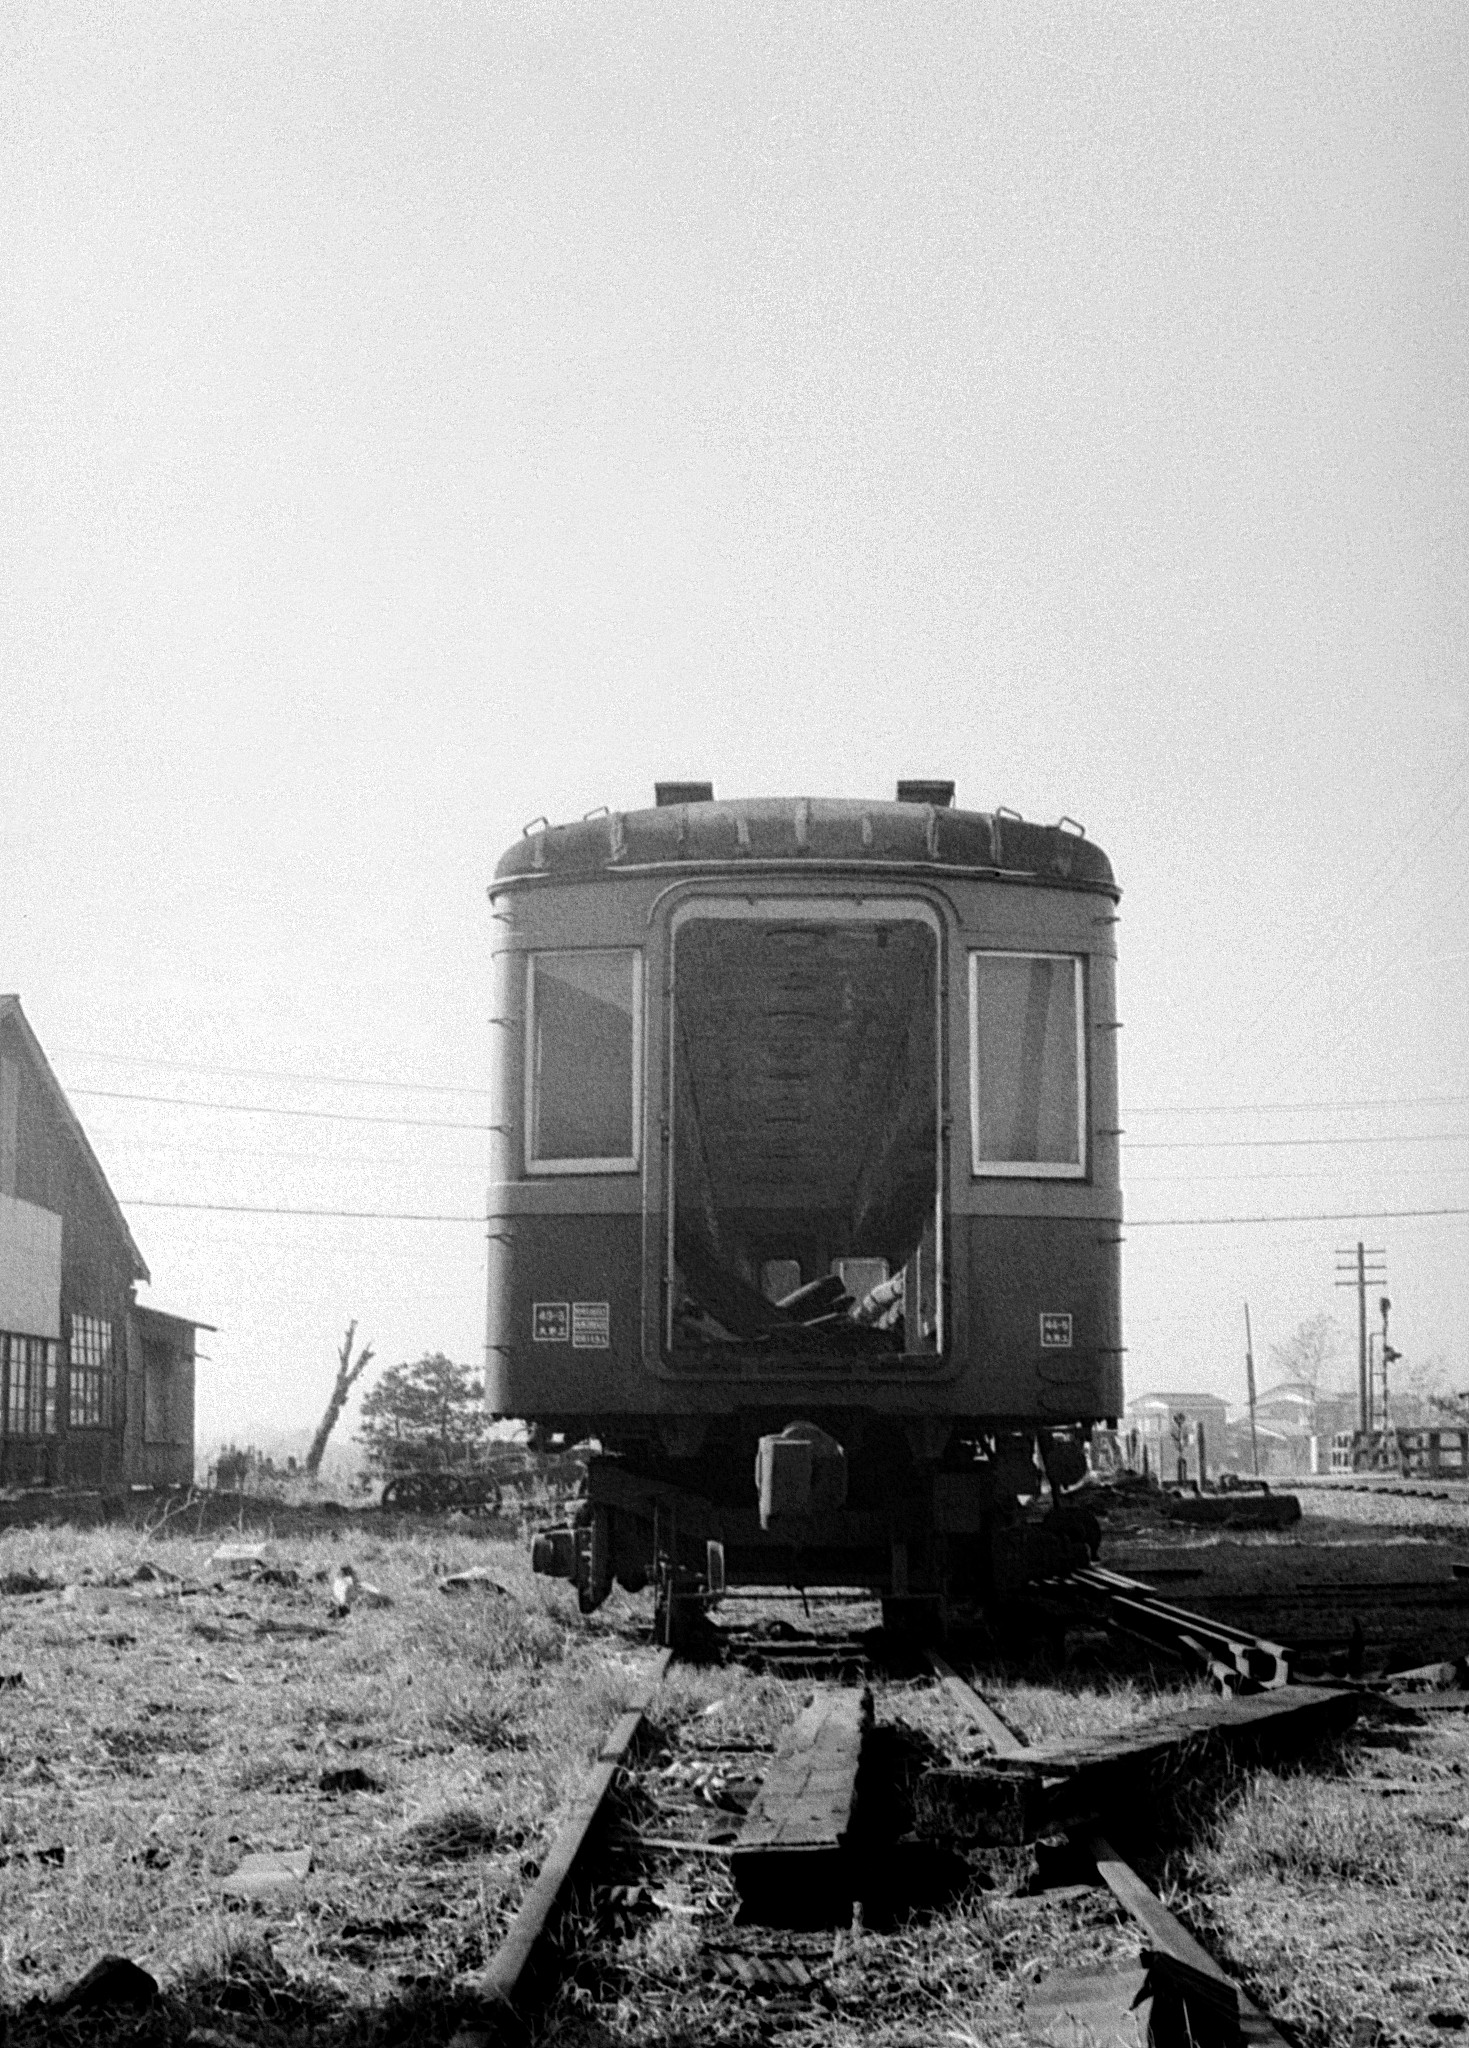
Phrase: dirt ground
[1363,1576]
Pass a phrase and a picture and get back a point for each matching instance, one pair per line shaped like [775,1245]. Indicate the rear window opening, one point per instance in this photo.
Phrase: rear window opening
[805,1061]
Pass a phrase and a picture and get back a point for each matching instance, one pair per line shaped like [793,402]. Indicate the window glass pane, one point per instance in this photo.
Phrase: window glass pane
[1026,1073]
[31,1377]
[89,1378]
[581,1056]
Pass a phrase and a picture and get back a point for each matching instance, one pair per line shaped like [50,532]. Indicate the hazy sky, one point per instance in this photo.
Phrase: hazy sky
[419,418]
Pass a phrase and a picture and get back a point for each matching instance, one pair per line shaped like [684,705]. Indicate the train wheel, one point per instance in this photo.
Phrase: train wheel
[481,1495]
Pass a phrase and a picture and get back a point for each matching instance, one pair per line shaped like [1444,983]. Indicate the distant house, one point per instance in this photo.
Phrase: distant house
[1151,1416]
[95,1391]
[1294,1425]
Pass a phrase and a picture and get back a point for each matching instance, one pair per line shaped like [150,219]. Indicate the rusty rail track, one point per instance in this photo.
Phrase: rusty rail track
[1235,1660]
[510,1975]
[772,1857]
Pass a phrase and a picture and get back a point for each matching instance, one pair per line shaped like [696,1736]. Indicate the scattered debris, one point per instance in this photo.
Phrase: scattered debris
[240,1557]
[350,1778]
[18,1583]
[1097,2005]
[477,1579]
[267,1873]
[1232,1510]
[1428,1678]
[55,1854]
[155,1576]
[113,1983]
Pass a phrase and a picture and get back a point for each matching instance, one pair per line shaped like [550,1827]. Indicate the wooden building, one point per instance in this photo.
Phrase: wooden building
[95,1391]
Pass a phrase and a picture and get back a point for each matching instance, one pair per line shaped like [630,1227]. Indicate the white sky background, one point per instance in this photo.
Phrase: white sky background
[420,418]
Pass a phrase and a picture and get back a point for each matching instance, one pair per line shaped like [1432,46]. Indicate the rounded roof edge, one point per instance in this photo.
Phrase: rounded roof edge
[790,830]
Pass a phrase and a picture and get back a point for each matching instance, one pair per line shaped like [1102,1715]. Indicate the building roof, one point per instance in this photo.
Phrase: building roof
[12,1013]
[1170,1403]
[147,1314]
[796,832]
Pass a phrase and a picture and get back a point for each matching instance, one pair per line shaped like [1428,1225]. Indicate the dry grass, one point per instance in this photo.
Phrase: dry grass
[1346,1896]
[161,1734]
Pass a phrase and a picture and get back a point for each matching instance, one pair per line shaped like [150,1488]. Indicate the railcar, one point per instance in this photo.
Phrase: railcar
[805,1206]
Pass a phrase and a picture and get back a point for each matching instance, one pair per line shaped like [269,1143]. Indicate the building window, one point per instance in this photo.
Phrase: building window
[31,1370]
[89,1357]
[583,1062]
[1027,1065]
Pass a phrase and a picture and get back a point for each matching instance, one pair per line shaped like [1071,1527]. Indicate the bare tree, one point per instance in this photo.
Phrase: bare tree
[1308,1351]
[1432,1379]
[348,1374]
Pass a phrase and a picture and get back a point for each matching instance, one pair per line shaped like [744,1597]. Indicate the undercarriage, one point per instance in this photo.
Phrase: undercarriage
[935,1539]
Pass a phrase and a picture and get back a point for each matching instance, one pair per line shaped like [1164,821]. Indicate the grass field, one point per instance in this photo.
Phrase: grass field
[168,1725]
[172,1719]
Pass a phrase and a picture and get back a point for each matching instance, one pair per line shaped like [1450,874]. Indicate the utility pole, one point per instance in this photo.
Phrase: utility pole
[1356,1273]
[1250,1383]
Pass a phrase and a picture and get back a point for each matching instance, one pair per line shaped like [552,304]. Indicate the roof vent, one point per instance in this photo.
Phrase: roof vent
[665,793]
[939,793]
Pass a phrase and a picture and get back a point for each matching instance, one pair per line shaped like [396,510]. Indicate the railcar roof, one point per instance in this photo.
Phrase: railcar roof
[792,831]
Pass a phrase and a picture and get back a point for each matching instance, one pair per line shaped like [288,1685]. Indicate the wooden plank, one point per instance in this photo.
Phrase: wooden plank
[806,1798]
[1061,1784]
[1174,1939]
[790,1856]
[1001,1738]
[1296,1710]
[538,1909]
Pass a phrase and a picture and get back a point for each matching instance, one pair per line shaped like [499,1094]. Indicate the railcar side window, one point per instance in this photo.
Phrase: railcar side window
[1027,1071]
[583,1054]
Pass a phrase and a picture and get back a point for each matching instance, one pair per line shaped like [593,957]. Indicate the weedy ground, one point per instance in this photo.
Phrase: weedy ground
[168,1725]
[164,1727]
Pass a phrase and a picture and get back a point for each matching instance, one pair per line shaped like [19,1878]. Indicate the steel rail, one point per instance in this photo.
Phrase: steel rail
[1233,1658]
[1170,1935]
[975,1708]
[499,1986]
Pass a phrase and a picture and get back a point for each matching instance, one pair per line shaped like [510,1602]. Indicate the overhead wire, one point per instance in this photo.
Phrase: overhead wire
[1252,1108]
[335,1116]
[1276,1144]
[270,1209]
[120,1059]
[420,1216]
[1318,1216]
[1352,921]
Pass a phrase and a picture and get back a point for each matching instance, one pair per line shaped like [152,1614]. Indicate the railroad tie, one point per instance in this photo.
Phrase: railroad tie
[790,1860]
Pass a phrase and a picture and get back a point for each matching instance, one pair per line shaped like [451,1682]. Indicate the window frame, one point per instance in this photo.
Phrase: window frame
[1028,1169]
[90,1370]
[37,1360]
[631,1163]
[834,907]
